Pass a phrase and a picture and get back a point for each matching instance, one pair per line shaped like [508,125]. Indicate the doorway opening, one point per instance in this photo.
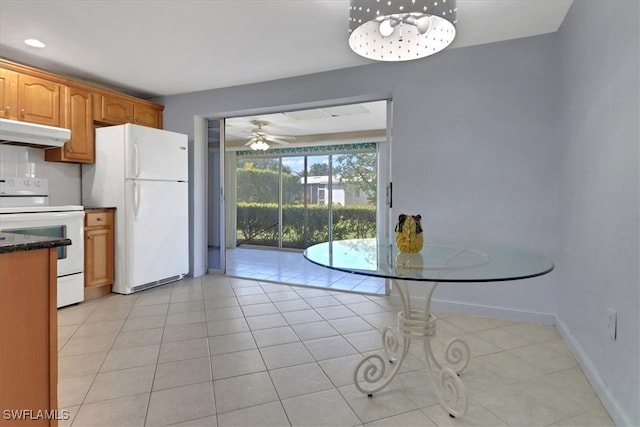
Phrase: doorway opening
[295,179]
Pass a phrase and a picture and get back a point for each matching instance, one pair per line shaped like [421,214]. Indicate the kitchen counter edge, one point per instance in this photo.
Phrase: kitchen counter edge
[14,242]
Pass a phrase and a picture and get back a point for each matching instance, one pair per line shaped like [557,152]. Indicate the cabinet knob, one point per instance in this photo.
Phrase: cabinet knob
[90,237]
[69,150]
[99,219]
[7,108]
[22,112]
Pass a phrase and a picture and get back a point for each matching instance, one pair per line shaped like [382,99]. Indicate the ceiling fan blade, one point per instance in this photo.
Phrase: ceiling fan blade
[278,141]
[282,136]
[251,141]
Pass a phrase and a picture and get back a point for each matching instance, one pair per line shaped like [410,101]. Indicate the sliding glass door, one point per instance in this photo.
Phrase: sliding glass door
[294,220]
[215,189]
[294,201]
[354,201]
[258,201]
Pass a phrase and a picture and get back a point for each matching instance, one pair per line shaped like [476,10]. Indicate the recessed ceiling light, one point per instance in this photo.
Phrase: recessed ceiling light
[34,43]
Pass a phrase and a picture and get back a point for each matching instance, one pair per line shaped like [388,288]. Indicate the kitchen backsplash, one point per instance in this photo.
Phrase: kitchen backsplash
[64,179]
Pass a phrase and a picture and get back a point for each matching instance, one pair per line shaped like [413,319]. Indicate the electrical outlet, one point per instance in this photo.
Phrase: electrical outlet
[612,324]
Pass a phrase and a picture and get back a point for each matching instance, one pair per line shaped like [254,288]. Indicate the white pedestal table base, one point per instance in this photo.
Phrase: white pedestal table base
[369,374]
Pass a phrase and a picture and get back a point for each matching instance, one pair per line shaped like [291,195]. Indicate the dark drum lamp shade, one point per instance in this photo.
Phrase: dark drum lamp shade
[401,30]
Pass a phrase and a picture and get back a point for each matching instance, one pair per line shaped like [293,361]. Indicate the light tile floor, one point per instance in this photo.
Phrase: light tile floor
[291,267]
[222,351]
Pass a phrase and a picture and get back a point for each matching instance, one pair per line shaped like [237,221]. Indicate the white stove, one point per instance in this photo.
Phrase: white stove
[25,209]
[29,209]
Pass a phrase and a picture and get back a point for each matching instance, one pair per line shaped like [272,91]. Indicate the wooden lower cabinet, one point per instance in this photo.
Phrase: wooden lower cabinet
[29,338]
[98,252]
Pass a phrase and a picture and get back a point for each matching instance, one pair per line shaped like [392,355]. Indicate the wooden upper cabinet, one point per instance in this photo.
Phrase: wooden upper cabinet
[146,115]
[112,109]
[29,98]
[38,100]
[8,94]
[78,117]
[37,96]
[117,110]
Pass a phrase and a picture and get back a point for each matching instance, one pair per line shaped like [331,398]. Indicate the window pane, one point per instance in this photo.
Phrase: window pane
[309,196]
[317,200]
[354,195]
[293,206]
[257,196]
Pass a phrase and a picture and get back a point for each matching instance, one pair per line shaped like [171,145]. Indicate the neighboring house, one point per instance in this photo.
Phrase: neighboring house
[342,193]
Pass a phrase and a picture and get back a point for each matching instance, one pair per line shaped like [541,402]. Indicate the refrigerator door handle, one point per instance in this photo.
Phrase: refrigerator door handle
[137,162]
[136,200]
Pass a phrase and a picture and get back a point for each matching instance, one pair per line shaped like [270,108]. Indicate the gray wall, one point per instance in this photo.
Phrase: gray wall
[598,264]
[474,148]
[530,142]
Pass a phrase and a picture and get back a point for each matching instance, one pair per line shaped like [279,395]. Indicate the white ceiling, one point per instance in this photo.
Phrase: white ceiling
[352,123]
[149,48]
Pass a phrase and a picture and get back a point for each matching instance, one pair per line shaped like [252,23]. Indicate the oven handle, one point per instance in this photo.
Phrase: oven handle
[136,200]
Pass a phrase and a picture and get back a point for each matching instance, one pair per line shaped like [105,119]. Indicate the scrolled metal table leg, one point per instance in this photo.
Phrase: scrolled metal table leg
[395,343]
[418,324]
[456,354]
[448,386]
[373,367]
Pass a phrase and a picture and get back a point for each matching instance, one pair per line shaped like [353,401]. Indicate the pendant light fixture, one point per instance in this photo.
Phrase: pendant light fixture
[401,30]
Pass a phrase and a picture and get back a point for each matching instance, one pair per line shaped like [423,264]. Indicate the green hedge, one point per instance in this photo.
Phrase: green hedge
[262,186]
[258,224]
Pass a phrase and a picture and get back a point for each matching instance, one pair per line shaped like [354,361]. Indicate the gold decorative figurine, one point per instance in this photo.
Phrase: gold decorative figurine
[409,236]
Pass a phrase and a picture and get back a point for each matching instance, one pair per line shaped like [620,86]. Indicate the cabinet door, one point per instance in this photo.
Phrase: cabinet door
[8,94]
[113,110]
[28,333]
[38,100]
[146,116]
[98,252]
[78,117]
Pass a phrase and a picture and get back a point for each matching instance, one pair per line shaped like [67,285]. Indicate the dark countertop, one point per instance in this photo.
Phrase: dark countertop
[13,242]
[98,208]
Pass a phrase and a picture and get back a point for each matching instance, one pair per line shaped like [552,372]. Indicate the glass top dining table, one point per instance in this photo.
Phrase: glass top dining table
[439,261]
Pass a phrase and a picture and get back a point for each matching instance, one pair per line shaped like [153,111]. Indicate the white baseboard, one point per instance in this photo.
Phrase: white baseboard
[615,412]
[484,311]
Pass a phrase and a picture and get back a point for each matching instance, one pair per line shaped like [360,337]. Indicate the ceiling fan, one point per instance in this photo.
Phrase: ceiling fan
[259,138]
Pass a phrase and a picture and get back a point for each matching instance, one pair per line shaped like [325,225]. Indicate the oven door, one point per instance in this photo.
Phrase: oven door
[54,224]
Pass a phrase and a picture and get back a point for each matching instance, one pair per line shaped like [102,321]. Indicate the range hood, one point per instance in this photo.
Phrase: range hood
[31,134]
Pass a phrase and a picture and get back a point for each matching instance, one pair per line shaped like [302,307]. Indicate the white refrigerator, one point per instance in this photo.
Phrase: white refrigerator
[142,172]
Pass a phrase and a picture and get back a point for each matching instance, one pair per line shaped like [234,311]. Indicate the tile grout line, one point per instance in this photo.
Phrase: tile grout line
[541,339]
